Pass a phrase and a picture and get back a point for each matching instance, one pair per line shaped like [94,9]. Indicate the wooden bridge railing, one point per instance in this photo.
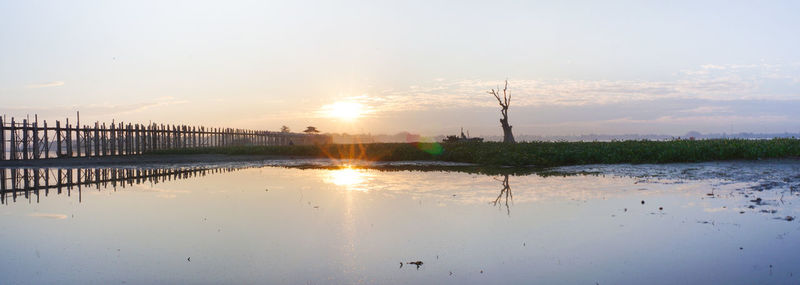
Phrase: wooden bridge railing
[31,140]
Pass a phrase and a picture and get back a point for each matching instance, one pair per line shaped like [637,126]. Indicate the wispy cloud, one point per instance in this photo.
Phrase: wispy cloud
[707,82]
[101,109]
[708,110]
[49,216]
[45,84]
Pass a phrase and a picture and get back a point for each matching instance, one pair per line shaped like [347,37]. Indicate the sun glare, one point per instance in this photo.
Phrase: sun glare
[350,178]
[344,110]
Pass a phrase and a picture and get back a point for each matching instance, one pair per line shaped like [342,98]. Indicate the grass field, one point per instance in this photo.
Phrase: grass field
[540,154]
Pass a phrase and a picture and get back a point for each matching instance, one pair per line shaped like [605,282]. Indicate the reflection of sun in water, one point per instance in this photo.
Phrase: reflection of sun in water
[348,177]
[344,110]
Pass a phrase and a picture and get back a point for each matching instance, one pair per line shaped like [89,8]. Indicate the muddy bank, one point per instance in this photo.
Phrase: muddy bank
[771,173]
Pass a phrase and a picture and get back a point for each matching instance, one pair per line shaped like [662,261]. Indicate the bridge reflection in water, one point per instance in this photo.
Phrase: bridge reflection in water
[34,182]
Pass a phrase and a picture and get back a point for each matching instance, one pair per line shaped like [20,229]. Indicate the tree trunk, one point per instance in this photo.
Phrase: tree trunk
[508,137]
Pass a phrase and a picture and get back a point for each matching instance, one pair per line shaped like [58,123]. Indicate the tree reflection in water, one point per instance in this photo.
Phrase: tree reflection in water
[505,195]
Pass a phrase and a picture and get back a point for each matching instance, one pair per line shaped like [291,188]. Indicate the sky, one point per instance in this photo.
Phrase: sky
[573,67]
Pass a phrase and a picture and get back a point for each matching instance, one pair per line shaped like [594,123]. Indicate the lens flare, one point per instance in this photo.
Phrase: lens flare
[429,145]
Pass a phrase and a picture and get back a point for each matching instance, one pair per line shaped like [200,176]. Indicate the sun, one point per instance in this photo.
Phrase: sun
[344,110]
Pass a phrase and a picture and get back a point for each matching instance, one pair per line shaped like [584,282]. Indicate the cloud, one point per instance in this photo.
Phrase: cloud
[103,109]
[708,110]
[45,84]
[49,216]
[708,82]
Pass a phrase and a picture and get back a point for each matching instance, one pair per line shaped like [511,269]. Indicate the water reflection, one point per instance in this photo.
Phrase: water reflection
[505,192]
[352,179]
[273,225]
[31,182]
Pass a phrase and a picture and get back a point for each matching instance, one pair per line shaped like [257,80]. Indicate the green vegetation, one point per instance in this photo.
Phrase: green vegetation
[540,154]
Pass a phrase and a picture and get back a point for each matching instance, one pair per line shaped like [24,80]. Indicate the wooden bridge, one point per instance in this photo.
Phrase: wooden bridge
[24,140]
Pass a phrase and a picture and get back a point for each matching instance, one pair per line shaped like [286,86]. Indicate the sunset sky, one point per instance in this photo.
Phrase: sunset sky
[606,67]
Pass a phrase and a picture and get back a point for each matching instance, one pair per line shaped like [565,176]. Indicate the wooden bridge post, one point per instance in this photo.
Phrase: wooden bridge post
[151,143]
[179,143]
[165,136]
[129,134]
[153,136]
[162,142]
[121,138]
[68,138]
[176,136]
[104,131]
[25,139]
[2,181]
[113,139]
[77,140]
[142,139]
[46,142]
[35,144]
[58,139]
[137,146]
[126,139]
[146,137]
[87,141]
[96,138]
[2,143]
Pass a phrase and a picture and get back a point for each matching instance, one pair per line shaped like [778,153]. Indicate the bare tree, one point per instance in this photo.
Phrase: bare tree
[508,137]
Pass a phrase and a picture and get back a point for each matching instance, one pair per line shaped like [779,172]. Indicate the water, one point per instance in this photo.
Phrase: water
[250,223]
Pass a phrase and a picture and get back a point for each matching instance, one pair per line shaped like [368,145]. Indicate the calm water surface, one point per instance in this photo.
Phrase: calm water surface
[674,224]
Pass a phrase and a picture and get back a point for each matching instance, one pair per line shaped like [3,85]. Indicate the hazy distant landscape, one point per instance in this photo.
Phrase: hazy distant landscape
[409,137]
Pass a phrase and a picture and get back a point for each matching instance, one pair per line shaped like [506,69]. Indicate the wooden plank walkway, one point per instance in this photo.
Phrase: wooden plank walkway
[24,140]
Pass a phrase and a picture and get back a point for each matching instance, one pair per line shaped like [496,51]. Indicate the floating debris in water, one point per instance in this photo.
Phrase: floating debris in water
[660,208]
[417,263]
[642,202]
[189,259]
